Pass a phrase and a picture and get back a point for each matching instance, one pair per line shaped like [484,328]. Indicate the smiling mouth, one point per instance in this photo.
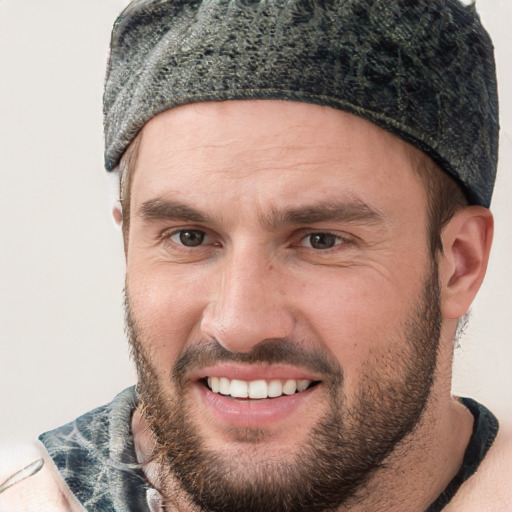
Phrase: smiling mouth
[257,389]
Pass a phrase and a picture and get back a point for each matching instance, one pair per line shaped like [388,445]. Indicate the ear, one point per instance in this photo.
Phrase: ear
[467,240]
[117,214]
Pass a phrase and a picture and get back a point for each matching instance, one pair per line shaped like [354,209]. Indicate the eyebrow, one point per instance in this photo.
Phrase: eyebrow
[163,209]
[352,211]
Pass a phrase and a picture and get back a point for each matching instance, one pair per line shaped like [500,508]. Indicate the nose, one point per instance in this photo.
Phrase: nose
[249,303]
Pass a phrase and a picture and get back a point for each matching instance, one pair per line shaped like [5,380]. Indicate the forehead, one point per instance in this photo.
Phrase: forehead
[281,149]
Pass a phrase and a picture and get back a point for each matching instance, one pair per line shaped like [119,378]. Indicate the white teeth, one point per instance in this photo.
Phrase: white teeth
[224,385]
[275,388]
[302,385]
[214,384]
[256,389]
[238,389]
[290,387]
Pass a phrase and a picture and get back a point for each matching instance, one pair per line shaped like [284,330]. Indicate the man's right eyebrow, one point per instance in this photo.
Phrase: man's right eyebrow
[165,209]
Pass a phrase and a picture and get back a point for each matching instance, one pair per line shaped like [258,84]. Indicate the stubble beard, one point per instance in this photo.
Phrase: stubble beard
[344,449]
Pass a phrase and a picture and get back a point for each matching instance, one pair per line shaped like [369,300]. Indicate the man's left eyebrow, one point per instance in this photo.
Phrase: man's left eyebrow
[352,211]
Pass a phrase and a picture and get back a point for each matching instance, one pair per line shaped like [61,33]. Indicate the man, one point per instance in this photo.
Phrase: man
[304,203]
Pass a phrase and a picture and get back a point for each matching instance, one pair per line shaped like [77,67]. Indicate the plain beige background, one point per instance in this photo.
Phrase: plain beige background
[62,347]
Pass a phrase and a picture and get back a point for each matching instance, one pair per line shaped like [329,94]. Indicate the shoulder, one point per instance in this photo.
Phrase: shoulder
[42,491]
[490,488]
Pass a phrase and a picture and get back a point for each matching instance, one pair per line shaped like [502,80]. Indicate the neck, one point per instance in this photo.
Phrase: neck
[424,463]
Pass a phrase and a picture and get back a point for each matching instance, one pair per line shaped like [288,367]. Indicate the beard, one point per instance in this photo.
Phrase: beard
[345,448]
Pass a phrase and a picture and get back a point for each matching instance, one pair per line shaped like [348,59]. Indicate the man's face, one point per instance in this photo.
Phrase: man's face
[278,250]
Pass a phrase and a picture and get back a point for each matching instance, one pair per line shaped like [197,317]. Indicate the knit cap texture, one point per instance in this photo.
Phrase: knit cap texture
[422,69]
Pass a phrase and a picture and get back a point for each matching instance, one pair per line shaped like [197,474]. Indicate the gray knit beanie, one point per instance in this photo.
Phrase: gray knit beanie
[422,69]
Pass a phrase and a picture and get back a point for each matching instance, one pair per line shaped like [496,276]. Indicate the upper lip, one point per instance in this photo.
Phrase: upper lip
[251,372]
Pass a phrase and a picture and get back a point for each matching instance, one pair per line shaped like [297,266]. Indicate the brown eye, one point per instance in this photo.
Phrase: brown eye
[321,241]
[189,237]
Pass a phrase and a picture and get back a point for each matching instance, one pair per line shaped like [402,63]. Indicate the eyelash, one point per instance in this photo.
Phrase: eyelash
[169,235]
[336,238]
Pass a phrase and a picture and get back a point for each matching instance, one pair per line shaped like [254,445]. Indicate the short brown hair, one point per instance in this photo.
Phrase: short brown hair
[444,198]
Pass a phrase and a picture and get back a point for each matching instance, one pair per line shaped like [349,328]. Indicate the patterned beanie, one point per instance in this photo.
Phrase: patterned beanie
[422,69]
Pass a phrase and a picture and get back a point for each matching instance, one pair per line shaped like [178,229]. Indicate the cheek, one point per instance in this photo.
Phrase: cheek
[356,314]
[167,304]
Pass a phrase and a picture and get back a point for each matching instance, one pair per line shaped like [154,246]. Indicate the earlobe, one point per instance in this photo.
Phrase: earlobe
[467,240]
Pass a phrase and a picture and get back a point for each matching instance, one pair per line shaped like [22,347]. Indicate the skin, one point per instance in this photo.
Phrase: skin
[253,280]
[45,491]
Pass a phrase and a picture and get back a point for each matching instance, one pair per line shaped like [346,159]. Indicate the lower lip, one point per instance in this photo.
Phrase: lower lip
[253,413]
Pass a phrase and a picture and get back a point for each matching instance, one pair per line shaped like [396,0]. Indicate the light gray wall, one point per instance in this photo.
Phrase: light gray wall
[62,347]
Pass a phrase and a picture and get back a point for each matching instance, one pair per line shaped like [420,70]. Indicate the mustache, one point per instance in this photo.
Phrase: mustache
[271,351]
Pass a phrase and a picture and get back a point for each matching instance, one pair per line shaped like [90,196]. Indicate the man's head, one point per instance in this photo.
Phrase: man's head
[295,266]
[277,241]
